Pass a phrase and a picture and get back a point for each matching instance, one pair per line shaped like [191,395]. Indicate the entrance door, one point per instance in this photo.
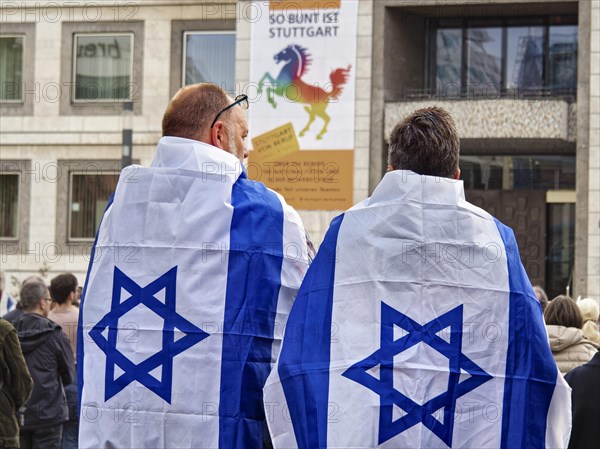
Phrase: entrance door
[525,212]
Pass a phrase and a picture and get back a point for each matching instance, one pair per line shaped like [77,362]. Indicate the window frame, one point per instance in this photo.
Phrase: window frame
[178,28]
[94,107]
[72,173]
[504,23]
[29,92]
[21,168]
[18,224]
[24,37]
[63,195]
[77,101]
[196,33]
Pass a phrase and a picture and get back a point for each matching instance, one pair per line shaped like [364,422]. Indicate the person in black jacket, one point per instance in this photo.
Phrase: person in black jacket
[49,358]
[585,382]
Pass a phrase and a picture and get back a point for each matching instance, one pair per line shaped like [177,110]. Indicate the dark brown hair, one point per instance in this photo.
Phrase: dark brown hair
[425,142]
[62,286]
[192,110]
[563,311]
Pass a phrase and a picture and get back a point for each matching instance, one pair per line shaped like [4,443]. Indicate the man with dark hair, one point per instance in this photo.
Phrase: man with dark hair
[186,318]
[393,321]
[50,361]
[425,142]
[63,289]
[15,384]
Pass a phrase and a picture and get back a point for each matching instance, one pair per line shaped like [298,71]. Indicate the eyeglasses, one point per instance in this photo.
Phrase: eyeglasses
[242,100]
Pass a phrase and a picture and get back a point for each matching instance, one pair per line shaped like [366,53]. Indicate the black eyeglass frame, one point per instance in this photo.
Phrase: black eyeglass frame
[242,100]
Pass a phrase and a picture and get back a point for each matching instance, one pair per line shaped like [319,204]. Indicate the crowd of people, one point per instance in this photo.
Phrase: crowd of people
[38,337]
[38,400]
[575,340]
[38,341]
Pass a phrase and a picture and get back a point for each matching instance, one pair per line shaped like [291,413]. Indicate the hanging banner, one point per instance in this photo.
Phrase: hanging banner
[303,58]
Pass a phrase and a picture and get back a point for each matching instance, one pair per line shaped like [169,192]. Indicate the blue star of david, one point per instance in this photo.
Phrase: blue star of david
[384,386]
[170,347]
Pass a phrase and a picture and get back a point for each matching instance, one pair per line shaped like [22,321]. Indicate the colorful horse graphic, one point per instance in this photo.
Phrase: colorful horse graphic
[289,85]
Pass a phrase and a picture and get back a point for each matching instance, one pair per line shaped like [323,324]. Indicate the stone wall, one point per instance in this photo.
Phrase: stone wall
[46,137]
[593,265]
[498,119]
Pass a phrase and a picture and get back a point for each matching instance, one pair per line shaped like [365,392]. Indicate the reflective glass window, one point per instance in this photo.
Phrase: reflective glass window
[560,248]
[484,59]
[518,172]
[209,57]
[525,57]
[103,67]
[505,57]
[448,60]
[11,68]
[562,57]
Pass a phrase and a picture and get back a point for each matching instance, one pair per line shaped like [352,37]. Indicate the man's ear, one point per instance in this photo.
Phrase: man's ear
[457,174]
[217,135]
[390,168]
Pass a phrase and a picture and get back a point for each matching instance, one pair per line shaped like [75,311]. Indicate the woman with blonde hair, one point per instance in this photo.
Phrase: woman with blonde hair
[589,312]
[564,322]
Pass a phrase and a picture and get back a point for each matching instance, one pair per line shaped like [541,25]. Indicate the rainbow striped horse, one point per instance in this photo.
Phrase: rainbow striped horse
[289,85]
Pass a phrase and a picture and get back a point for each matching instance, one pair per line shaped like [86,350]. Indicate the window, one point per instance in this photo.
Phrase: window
[511,57]
[525,57]
[449,58]
[103,67]
[11,69]
[560,246]
[484,57]
[9,205]
[563,57]
[202,51]
[522,172]
[88,195]
[103,63]
[209,57]
[18,91]
[15,194]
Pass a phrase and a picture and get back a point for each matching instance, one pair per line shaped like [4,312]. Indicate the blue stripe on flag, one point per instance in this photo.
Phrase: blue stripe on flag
[253,284]
[530,368]
[304,360]
[81,324]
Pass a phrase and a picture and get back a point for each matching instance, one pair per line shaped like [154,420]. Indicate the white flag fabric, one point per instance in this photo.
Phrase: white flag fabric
[192,276]
[416,326]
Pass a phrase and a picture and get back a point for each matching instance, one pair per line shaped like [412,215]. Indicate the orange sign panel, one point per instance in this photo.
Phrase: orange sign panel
[309,180]
[303,4]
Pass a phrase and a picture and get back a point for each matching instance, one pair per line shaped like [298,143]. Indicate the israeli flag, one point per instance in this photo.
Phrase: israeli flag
[192,277]
[416,326]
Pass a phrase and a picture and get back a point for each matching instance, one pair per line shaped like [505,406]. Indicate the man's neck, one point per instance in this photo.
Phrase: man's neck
[64,307]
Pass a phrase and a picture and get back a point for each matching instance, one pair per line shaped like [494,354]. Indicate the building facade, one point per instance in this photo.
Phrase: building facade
[522,81]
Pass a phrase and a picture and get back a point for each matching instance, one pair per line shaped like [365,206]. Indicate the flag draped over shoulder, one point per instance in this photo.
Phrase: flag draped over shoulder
[192,276]
[416,326]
